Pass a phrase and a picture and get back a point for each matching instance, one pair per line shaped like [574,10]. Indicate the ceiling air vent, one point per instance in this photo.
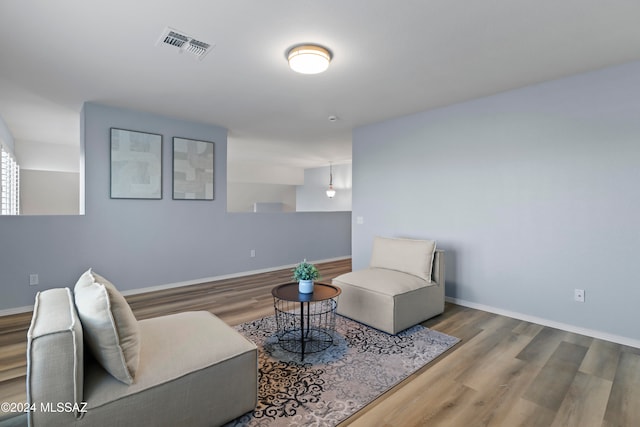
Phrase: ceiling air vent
[184,43]
[175,39]
[198,48]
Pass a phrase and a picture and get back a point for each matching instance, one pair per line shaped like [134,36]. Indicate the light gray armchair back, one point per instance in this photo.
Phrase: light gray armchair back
[55,371]
[438,272]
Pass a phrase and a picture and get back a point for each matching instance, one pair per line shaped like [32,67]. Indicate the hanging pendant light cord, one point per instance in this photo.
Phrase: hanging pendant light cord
[330,175]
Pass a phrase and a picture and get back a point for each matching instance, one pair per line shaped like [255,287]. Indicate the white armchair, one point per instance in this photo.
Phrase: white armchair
[193,370]
[403,286]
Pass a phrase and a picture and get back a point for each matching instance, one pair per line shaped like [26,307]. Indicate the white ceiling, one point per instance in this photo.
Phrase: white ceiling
[391,58]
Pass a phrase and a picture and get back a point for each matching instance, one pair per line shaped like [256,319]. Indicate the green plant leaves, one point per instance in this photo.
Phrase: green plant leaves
[305,271]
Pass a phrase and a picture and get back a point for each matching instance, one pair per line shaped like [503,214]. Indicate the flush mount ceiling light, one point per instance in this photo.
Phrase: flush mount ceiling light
[309,59]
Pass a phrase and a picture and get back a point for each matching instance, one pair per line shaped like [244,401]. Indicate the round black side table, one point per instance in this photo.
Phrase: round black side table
[306,322]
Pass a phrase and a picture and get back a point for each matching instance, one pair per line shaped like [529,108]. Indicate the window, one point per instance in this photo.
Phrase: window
[9,183]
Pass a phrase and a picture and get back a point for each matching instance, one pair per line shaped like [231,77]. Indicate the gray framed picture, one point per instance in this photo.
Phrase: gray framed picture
[192,169]
[136,165]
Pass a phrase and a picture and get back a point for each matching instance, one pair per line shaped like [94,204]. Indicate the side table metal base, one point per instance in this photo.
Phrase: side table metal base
[305,325]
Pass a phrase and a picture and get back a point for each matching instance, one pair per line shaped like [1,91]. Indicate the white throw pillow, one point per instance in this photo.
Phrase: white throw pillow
[110,327]
[410,256]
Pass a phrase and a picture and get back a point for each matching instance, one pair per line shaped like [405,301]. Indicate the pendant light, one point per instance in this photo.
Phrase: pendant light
[331,192]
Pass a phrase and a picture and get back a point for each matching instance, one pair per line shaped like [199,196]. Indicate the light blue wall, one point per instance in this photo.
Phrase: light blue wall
[143,243]
[533,193]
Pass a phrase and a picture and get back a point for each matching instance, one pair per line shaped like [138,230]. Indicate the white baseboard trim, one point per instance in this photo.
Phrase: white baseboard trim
[223,277]
[546,322]
[18,310]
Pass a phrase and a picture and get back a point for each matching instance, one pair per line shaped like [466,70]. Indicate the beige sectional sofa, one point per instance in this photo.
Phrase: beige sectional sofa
[191,369]
[403,286]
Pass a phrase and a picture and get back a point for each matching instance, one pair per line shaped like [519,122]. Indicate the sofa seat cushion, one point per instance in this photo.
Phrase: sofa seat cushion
[171,347]
[382,281]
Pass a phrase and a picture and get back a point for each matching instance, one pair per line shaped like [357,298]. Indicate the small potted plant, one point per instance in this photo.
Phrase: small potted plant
[305,273]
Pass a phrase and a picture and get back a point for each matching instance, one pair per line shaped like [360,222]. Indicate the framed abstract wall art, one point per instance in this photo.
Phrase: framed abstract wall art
[193,167]
[136,165]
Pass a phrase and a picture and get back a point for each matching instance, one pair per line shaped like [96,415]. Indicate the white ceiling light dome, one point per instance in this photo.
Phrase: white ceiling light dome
[309,59]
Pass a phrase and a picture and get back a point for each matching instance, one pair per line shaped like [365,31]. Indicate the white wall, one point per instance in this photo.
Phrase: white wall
[143,243]
[5,136]
[250,183]
[48,156]
[49,193]
[312,196]
[532,193]
[263,173]
[301,190]
[241,196]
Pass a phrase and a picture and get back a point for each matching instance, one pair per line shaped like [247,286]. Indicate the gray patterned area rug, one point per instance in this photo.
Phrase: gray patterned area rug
[331,385]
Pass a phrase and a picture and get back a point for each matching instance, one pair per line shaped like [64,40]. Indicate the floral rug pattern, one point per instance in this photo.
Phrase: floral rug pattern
[331,385]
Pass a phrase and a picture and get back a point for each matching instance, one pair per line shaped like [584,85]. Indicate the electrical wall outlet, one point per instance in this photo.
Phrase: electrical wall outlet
[252,253]
[33,279]
[578,295]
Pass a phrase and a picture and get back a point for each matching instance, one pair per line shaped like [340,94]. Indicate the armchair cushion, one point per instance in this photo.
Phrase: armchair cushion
[172,347]
[55,350]
[384,281]
[111,329]
[405,255]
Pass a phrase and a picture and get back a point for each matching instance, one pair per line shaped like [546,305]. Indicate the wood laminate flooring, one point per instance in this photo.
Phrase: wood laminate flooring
[505,372]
